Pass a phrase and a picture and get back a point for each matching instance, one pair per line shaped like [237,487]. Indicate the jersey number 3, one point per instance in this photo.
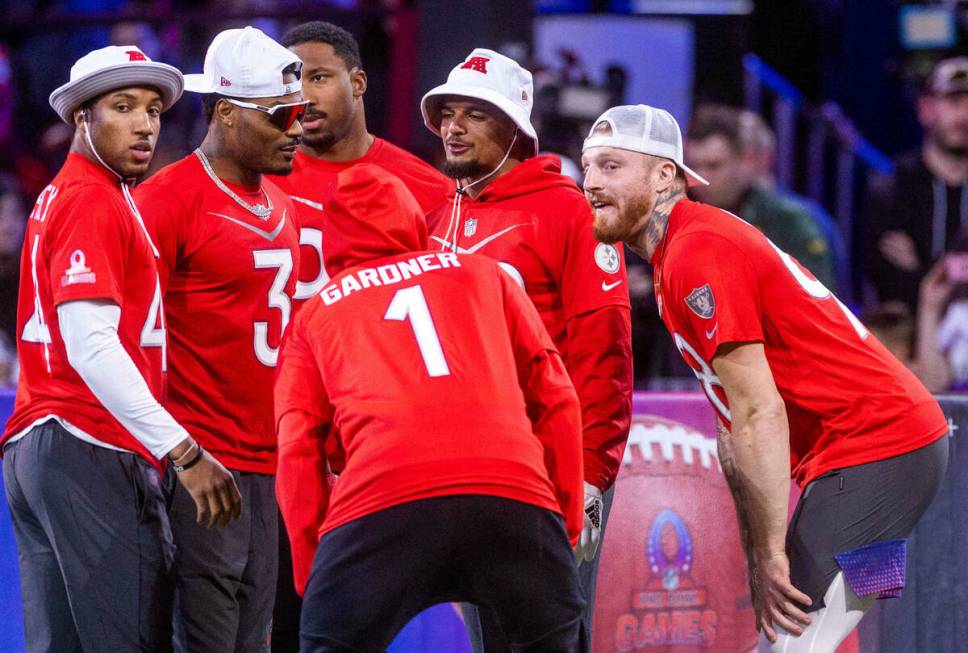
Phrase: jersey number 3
[410,303]
[281,260]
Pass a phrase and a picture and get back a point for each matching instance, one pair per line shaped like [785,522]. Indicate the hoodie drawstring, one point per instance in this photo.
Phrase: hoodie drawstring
[454,221]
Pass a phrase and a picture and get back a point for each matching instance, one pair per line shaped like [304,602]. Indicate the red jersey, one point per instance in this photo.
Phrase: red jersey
[84,241]
[228,278]
[536,223]
[848,400]
[423,367]
[313,181]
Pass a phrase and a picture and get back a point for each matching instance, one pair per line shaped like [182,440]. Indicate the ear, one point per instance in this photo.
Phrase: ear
[358,82]
[224,111]
[79,115]
[663,175]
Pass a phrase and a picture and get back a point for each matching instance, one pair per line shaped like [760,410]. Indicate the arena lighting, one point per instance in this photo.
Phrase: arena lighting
[690,7]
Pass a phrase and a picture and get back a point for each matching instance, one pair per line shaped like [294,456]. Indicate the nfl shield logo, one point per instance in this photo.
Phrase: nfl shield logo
[702,302]
[470,227]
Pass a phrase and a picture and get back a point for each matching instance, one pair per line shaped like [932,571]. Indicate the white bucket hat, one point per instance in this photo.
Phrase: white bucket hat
[115,66]
[492,77]
[245,63]
[644,129]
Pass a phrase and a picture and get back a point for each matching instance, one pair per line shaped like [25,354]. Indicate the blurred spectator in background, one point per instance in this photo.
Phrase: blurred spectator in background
[759,152]
[893,324]
[714,149]
[915,216]
[12,218]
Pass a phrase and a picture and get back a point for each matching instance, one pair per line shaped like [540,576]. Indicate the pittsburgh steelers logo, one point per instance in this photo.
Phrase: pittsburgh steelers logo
[606,257]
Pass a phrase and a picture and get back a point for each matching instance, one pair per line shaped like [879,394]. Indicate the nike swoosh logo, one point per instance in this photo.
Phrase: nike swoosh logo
[268,235]
[710,334]
[309,203]
[472,249]
[608,286]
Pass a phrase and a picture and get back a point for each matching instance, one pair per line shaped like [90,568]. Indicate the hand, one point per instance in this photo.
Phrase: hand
[591,534]
[899,250]
[935,287]
[217,498]
[775,599]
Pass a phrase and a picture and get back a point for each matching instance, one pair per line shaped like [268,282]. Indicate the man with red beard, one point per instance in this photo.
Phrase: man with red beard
[800,387]
[335,138]
[517,208]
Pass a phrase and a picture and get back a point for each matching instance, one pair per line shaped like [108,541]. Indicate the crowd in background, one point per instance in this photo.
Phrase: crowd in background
[914,294]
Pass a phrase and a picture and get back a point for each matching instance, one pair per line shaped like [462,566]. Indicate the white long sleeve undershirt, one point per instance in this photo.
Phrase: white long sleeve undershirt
[94,350]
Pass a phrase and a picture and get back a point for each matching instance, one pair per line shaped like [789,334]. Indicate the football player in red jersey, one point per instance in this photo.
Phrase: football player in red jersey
[229,251]
[799,385]
[431,375]
[517,208]
[84,447]
[334,138]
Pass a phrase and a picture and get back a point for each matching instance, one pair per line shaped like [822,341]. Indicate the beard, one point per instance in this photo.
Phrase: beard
[320,141]
[629,214]
[463,169]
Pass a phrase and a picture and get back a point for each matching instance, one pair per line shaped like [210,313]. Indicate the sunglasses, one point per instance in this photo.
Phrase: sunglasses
[281,116]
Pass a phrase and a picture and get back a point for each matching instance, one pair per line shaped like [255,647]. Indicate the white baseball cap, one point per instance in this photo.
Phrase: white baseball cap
[115,66]
[245,63]
[644,129]
[492,77]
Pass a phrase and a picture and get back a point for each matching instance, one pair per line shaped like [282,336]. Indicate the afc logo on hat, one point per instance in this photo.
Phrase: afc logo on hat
[134,55]
[476,63]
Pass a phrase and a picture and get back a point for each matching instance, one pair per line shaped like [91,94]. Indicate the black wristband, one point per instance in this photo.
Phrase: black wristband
[191,463]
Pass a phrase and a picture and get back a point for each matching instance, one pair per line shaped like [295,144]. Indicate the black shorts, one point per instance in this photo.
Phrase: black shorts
[851,507]
[373,574]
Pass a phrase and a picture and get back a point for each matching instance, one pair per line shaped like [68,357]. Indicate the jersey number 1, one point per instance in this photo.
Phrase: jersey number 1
[411,303]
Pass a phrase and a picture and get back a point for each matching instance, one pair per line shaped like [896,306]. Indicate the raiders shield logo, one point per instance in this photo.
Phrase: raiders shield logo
[470,227]
[702,302]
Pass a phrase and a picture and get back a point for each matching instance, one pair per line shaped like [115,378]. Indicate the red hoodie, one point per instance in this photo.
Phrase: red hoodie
[429,371]
[536,223]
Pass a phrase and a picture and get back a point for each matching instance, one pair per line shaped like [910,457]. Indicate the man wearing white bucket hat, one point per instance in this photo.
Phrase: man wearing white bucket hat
[229,251]
[517,208]
[83,449]
[799,385]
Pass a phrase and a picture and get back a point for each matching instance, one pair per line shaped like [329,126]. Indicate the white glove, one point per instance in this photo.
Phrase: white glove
[591,533]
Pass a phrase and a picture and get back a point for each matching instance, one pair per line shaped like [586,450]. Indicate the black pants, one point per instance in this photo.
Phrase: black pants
[285,614]
[94,545]
[850,507]
[225,578]
[484,627]
[374,574]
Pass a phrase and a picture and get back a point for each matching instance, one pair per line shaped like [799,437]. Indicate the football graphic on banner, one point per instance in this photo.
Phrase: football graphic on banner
[673,576]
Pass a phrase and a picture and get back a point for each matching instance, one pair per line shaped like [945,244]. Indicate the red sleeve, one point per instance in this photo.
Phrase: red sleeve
[593,274]
[162,213]
[599,360]
[551,402]
[303,416]
[86,252]
[716,293]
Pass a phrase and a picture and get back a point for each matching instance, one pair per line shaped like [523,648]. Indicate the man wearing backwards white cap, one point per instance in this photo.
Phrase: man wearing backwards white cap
[799,385]
[518,208]
[229,252]
[83,448]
